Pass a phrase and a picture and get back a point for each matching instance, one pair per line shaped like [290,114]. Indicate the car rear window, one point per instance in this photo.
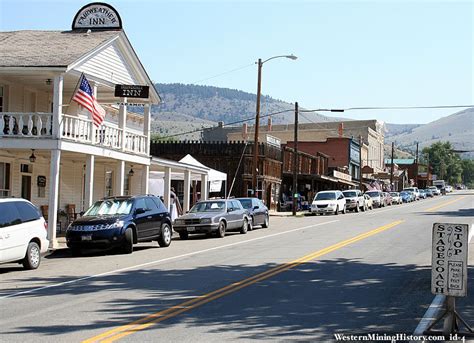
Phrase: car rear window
[374,194]
[246,203]
[9,214]
[350,194]
[27,211]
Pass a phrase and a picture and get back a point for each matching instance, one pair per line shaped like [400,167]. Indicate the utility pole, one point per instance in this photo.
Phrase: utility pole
[257,124]
[391,169]
[416,165]
[295,161]
[360,163]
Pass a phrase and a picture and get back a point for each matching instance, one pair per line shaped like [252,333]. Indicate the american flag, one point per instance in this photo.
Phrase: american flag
[85,98]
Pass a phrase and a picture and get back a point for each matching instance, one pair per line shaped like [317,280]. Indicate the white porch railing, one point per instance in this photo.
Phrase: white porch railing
[25,124]
[135,142]
[72,128]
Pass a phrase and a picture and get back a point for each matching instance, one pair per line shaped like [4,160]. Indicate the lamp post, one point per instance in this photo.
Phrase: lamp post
[257,118]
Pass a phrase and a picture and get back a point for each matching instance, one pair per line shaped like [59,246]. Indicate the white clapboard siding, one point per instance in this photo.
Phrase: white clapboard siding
[110,65]
[15,98]
[42,102]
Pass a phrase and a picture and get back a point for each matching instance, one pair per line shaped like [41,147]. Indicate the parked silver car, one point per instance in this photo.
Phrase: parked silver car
[377,198]
[213,217]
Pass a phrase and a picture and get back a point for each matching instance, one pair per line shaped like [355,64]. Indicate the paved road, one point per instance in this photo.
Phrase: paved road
[303,278]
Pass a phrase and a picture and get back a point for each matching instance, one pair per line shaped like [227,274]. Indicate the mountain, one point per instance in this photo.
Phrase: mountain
[457,128]
[192,107]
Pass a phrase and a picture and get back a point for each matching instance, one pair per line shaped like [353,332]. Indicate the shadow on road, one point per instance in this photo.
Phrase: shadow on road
[462,212]
[315,299]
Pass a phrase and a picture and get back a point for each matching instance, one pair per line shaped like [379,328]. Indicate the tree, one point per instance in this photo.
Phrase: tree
[445,163]
[468,172]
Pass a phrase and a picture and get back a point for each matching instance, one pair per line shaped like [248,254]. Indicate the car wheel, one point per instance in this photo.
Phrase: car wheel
[251,223]
[266,222]
[245,227]
[357,209]
[184,235]
[165,238]
[127,247]
[32,258]
[221,230]
[337,210]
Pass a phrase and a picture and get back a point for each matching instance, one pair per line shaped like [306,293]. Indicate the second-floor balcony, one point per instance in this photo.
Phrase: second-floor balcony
[71,128]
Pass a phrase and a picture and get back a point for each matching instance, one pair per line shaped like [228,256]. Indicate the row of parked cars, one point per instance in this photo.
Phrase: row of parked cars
[119,223]
[354,200]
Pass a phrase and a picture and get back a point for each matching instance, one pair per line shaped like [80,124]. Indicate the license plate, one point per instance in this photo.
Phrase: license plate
[87,238]
[191,228]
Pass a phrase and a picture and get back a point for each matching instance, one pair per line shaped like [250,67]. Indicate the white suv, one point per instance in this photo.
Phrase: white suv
[328,202]
[23,233]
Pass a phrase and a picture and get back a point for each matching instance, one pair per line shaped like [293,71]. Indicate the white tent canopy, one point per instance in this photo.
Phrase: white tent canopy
[213,175]
[156,176]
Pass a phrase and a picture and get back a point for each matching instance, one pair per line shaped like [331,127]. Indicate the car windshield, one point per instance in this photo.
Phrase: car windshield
[394,194]
[325,196]
[404,193]
[110,207]
[373,194]
[350,194]
[208,206]
[246,203]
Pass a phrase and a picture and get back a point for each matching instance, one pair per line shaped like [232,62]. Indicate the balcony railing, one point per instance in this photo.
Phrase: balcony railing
[72,128]
[25,124]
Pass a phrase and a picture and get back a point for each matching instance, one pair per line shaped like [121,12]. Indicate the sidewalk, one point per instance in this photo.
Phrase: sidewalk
[286,214]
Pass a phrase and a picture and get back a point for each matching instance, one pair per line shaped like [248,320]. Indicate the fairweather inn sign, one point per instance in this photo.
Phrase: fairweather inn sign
[97,15]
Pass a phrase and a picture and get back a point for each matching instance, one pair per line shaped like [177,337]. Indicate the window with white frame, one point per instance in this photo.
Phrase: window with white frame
[5,190]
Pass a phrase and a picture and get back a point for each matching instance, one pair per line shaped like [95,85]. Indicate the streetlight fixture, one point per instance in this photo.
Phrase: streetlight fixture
[257,118]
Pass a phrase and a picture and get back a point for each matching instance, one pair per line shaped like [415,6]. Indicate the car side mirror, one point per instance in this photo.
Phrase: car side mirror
[140,210]
[229,209]
[256,207]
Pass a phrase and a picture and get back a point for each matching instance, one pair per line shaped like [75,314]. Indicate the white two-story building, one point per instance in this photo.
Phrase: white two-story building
[50,151]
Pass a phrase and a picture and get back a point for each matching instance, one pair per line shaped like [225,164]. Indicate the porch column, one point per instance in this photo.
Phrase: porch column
[187,189]
[120,178]
[57,106]
[204,187]
[89,186]
[122,122]
[145,177]
[146,127]
[167,188]
[53,197]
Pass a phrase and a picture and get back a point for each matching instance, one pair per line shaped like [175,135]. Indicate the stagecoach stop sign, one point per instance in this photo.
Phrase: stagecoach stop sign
[97,15]
[449,259]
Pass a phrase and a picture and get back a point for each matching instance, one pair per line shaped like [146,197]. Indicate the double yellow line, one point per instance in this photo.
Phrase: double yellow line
[432,209]
[145,322]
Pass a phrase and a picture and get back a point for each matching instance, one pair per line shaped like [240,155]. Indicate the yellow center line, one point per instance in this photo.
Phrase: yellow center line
[147,321]
[432,209]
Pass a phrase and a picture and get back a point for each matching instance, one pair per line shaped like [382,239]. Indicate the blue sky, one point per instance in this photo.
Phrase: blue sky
[350,54]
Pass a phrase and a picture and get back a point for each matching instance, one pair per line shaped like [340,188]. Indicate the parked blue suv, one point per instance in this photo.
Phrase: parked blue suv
[121,222]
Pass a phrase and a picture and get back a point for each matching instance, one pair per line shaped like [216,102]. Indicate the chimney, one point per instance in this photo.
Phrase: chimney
[341,129]
[269,126]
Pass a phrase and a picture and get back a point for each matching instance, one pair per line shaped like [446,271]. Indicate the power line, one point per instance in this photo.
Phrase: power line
[224,73]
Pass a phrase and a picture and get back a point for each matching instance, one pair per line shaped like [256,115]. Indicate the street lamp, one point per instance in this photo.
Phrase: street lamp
[257,118]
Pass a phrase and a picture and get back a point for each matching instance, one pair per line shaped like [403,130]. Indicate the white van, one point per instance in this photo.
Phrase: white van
[328,202]
[23,233]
